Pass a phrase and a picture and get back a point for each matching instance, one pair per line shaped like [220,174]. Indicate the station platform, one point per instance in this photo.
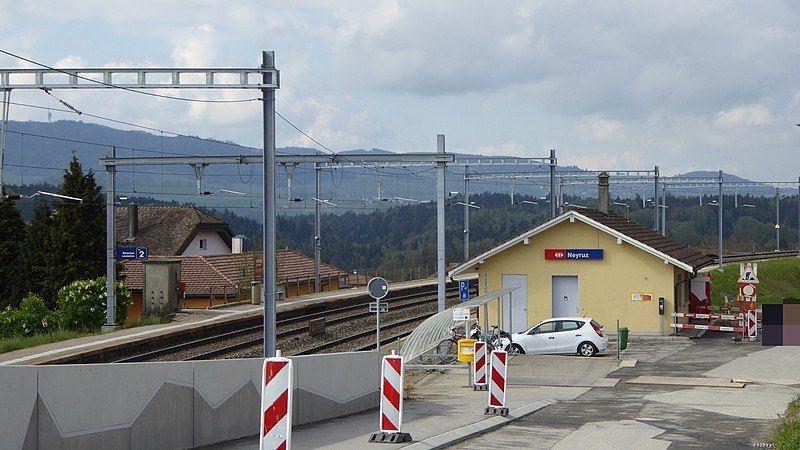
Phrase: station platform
[186,320]
[441,410]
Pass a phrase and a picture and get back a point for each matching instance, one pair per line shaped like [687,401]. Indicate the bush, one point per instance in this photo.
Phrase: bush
[8,322]
[82,304]
[33,317]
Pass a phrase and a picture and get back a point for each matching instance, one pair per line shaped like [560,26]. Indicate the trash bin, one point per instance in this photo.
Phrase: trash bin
[622,338]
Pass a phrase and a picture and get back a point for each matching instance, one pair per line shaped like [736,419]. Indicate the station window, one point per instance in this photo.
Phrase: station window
[203,243]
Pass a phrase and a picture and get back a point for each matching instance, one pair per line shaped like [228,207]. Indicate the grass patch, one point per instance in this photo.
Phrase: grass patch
[779,279]
[788,434]
[19,342]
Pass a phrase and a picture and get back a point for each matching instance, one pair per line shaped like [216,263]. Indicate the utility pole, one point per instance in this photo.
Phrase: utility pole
[268,212]
[553,163]
[4,135]
[111,243]
[664,212]
[777,220]
[655,199]
[466,213]
[317,233]
[511,187]
[719,225]
[441,170]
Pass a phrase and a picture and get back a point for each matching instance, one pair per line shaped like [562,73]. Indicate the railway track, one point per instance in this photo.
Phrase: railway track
[291,327]
[757,256]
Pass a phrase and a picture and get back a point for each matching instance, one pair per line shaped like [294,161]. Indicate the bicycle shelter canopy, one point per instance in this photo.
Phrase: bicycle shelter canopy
[439,326]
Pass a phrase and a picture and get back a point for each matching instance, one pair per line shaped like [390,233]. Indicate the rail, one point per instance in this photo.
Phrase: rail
[399,301]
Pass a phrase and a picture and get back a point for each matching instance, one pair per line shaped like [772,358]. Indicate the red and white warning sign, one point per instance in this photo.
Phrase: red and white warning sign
[752,324]
[276,404]
[391,393]
[497,383]
[479,363]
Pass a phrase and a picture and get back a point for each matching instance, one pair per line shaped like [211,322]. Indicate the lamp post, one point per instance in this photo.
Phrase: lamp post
[778,199]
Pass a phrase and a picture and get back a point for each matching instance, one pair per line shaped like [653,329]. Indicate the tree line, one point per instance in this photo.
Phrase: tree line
[63,242]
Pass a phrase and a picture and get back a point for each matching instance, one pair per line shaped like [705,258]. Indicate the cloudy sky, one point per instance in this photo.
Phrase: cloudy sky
[609,84]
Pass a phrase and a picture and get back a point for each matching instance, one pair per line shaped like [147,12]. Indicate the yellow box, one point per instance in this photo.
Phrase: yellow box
[466,350]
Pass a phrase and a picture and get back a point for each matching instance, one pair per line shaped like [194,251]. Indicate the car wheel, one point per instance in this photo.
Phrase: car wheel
[587,349]
[515,349]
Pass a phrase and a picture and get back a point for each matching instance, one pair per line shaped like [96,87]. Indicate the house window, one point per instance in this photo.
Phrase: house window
[203,243]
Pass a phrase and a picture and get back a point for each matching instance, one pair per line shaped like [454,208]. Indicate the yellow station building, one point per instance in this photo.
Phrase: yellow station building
[588,263]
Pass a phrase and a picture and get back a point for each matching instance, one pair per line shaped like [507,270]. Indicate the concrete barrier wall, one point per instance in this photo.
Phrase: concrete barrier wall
[170,404]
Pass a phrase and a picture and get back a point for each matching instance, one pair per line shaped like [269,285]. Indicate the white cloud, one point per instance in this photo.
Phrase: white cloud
[744,116]
[600,130]
[71,62]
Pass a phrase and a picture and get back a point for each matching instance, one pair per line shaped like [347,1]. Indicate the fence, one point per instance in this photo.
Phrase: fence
[360,277]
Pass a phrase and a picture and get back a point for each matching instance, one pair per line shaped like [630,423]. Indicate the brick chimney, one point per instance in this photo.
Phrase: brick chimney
[133,221]
[602,191]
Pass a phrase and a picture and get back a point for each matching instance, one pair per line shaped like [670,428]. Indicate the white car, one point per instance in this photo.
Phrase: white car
[565,335]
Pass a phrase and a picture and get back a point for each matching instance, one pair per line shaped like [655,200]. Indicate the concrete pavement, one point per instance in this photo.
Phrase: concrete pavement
[656,416]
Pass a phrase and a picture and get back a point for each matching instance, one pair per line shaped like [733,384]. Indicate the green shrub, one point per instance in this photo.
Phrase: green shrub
[8,322]
[33,317]
[82,304]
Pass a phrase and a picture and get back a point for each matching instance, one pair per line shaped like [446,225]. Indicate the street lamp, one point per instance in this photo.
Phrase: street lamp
[778,199]
[50,194]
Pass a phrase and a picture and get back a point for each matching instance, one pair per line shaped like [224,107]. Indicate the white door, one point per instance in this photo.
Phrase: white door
[565,296]
[541,339]
[515,309]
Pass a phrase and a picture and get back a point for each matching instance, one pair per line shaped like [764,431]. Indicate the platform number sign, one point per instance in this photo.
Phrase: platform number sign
[463,289]
[132,252]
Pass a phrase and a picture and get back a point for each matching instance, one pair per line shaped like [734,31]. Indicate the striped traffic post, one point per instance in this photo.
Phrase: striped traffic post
[479,367]
[276,404]
[498,384]
[752,324]
[391,410]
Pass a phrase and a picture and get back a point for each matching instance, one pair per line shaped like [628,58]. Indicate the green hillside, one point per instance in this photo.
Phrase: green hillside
[779,279]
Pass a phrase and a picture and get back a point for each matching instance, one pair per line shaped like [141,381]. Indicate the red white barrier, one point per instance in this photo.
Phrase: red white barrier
[708,316]
[391,411]
[752,324]
[391,394]
[479,364]
[692,326]
[497,383]
[276,404]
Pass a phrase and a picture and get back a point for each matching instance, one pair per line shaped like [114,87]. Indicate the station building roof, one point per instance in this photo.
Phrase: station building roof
[628,231]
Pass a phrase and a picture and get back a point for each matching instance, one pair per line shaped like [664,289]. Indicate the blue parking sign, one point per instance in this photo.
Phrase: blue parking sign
[463,289]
